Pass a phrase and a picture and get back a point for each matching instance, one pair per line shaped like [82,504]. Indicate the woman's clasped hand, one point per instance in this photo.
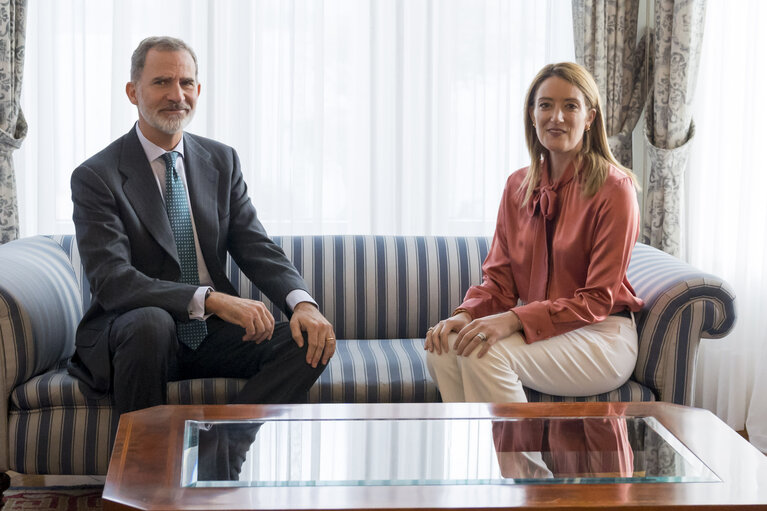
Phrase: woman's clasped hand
[478,334]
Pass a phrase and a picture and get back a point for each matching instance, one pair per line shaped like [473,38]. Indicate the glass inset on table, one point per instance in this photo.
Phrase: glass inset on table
[459,451]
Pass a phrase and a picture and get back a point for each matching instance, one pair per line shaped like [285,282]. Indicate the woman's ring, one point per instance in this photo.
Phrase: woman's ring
[430,329]
[482,337]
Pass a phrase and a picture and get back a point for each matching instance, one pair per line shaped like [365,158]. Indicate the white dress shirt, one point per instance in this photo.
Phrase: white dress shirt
[196,306]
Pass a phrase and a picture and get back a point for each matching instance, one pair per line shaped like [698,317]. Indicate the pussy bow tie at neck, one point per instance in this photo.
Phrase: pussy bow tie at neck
[544,199]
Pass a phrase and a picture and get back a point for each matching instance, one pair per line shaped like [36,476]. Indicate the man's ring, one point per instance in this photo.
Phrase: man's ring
[330,339]
[482,337]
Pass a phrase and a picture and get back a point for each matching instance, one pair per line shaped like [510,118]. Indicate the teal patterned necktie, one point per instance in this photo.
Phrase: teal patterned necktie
[190,333]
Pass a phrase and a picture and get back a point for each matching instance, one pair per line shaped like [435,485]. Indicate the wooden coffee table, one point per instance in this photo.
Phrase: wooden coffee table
[146,471]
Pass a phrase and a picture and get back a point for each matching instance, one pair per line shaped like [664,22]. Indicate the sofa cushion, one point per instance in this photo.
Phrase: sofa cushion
[629,391]
[384,370]
[376,370]
[362,371]
[50,390]
[58,389]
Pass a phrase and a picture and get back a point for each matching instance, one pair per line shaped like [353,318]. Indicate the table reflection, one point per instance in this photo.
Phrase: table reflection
[577,447]
[223,448]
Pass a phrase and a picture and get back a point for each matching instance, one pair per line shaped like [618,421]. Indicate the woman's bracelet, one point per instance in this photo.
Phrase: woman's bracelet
[460,310]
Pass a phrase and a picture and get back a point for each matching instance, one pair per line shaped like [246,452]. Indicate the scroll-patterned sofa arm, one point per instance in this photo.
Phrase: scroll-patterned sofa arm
[682,305]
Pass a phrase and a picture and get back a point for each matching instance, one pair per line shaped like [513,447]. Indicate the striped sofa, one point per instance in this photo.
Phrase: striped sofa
[380,292]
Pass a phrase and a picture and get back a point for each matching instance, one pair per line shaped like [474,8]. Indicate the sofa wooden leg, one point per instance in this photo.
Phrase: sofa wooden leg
[5,483]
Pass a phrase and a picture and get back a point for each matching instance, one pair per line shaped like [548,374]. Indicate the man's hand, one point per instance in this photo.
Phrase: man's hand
[251,315]
[319,333]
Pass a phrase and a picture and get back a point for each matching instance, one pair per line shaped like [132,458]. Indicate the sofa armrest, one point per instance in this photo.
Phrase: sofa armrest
[682,305]
[40,307]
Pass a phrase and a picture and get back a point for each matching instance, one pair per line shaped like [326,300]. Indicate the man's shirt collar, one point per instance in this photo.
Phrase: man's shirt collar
[154,151]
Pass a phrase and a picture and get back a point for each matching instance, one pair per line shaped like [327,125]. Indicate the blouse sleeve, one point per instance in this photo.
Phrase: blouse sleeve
[616,229]
[498,291]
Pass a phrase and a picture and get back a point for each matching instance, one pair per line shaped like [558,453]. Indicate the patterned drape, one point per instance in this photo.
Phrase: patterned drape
[13,127]
[669,128]
[605,43]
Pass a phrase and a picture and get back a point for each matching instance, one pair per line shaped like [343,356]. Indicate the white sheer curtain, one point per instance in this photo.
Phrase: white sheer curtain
[727,215]
[350,116]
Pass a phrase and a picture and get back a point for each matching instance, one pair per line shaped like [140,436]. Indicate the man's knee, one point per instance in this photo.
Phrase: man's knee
[144,329]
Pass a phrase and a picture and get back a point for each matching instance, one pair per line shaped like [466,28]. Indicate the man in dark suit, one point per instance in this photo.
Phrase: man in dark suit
[156,213]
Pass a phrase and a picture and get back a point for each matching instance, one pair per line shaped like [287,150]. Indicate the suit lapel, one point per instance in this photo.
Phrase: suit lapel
[140,187]
[202,179]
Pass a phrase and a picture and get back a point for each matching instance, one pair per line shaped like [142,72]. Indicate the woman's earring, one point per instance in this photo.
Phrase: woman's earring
[588,127]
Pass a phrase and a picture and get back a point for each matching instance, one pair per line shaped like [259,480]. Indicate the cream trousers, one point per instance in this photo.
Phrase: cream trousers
[590,360]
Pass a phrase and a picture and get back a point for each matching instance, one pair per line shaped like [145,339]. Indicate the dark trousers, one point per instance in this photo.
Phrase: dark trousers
[146,355]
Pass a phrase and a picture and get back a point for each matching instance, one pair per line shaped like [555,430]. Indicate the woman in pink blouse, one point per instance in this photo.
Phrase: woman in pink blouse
[554,310]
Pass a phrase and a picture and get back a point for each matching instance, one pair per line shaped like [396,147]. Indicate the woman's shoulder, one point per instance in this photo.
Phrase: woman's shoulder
[512,190]
[616,173]
[617,178]
[618,189]
[516,177]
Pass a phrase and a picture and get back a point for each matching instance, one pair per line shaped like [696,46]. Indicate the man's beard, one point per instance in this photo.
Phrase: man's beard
[168,125]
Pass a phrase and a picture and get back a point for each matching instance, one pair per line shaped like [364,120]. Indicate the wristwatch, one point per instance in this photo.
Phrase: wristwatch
[205,299]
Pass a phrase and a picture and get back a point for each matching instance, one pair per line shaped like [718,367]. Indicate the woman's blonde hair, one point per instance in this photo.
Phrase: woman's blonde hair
[595,156]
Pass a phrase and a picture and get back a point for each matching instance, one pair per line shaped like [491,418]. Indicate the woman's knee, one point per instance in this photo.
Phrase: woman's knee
[436,359]
[446,347]
[491,362]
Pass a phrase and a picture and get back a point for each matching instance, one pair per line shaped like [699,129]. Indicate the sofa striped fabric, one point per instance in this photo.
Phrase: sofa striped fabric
[380,292]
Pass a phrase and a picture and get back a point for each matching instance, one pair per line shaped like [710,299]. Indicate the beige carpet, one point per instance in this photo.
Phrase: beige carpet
[53,499]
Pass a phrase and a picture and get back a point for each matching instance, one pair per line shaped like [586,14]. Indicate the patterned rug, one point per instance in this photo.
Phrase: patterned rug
[54,498]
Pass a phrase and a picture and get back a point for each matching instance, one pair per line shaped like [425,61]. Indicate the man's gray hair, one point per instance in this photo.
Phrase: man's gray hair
[162,43]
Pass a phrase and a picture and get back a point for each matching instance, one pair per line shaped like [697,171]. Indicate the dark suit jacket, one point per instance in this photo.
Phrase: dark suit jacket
[127,246]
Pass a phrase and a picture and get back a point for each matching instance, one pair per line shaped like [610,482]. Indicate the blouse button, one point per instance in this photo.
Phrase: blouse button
[538,332]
